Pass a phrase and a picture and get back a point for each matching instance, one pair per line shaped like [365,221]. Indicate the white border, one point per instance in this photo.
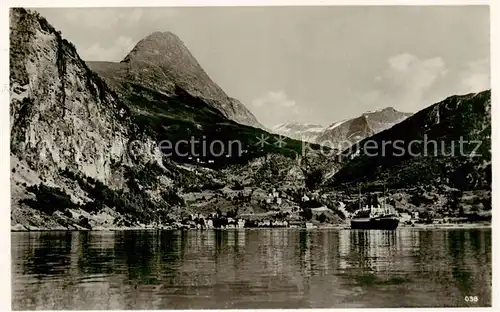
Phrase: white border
[186,3]
[5,260]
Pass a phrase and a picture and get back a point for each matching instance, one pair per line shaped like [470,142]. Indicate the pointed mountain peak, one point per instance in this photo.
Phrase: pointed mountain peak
[164,43]
[163,37]
[162,62]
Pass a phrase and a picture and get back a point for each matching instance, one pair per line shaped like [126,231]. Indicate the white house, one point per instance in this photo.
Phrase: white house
[241,224]
[210,224]
[405,217]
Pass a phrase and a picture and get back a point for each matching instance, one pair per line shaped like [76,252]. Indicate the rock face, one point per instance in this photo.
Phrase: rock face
[300,131]
[347,132]
[448,143]
[63,117]
[163,63]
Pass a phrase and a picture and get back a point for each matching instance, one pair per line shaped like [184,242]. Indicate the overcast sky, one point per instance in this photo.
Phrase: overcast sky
[307,64]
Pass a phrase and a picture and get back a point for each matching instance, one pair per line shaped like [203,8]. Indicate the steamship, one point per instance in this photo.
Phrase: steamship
[373,216]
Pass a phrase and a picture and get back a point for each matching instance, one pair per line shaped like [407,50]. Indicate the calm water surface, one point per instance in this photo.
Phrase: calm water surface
[275,268]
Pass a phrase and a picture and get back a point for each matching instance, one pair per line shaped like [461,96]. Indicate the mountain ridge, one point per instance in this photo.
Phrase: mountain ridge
[349,131]
[344,132]
[162,62]
[460,117]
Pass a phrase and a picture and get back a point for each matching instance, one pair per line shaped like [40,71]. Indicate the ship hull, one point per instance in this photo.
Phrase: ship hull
[382,223]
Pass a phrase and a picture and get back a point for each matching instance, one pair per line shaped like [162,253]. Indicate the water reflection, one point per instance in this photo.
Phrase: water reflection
[278,268]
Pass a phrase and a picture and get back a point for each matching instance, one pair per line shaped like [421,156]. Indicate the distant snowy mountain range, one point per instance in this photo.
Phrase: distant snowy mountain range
[344,132]
[299,131]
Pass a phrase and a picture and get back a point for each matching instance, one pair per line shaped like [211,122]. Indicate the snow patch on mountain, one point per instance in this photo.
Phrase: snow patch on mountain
[300,131]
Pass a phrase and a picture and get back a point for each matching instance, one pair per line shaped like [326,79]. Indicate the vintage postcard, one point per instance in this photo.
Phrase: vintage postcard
[229,156]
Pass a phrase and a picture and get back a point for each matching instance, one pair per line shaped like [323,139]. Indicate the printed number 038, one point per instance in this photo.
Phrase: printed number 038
[471,298]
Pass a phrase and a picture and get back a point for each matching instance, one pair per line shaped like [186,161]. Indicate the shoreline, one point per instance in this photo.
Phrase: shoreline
[478,225]
[474,225]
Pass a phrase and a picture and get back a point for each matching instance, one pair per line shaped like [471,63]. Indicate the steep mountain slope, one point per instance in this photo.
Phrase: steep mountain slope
[61,114]
[74,158]
[299,131]
[161,62]
[344,133]
[64,119]
[426,149]
[172,99]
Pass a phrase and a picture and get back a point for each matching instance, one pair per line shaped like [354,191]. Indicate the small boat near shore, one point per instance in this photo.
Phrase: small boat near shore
[309,225]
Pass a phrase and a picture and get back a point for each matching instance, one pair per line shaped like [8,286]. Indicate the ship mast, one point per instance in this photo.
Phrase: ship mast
[383,202]
[359,196]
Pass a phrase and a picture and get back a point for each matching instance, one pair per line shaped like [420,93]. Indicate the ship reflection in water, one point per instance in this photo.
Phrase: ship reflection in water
[264,268]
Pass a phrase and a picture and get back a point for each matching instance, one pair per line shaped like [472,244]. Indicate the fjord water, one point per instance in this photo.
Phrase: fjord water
[261,268]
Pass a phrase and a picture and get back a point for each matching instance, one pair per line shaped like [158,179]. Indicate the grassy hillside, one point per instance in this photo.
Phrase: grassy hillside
[178,115]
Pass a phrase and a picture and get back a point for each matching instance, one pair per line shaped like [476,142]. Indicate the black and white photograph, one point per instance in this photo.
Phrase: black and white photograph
[249,157]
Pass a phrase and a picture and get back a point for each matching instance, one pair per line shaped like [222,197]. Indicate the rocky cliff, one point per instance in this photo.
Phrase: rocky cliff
[63,118]
[62,115]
